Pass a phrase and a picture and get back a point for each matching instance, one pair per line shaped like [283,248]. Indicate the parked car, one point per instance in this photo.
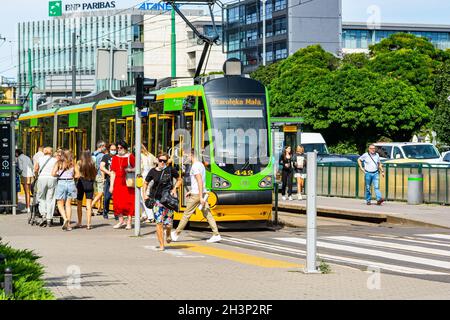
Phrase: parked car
[314,141]
[408,152]
[446,156]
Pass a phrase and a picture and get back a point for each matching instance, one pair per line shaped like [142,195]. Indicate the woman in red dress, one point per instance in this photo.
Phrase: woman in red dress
[123,196]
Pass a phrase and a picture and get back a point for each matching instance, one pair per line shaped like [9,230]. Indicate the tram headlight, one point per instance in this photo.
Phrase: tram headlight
[266,182]
[220,183]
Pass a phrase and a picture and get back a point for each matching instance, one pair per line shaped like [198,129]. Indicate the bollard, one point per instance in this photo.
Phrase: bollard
[311,212]
[276,203]
[415,189]
[8,286]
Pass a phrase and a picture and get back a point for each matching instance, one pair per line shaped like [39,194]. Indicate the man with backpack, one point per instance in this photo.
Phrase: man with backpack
[370,164]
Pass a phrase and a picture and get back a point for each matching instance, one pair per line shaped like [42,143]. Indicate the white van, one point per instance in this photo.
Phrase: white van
[313,141]
[408,152]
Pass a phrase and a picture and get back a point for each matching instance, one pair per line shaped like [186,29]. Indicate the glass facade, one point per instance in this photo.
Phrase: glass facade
[50,43]
[244,31]
[362,39]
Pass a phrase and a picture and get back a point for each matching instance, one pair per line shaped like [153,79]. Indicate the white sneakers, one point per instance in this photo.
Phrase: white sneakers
[214,239]
[174,236]
[284,198]
[290,198]
[300,196]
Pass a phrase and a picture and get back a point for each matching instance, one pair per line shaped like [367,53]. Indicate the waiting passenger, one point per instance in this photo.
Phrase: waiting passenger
[148,162]
[123,194]
[26,170]
[85,172]
[105,166]
[299,162]
[286,172]
[66,190]
[46,186]
[99,185]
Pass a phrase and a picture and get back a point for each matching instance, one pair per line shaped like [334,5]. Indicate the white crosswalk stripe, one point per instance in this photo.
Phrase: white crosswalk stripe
[420,254]
[437,236]
[391,245]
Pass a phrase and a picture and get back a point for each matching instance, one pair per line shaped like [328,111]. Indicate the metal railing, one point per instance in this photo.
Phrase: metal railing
[348,181]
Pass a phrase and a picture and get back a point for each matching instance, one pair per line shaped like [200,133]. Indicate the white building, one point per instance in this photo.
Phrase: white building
[157,45]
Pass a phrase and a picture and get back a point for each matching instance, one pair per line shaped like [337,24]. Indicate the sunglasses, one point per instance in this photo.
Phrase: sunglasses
[162,160]
[119,147]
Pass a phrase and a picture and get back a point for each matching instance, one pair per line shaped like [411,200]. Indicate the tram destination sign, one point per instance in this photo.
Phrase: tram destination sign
[236,101]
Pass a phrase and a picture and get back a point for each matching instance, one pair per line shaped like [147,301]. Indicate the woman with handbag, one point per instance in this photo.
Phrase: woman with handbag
[122,185]
[64,171]
[163,197]
[85,173]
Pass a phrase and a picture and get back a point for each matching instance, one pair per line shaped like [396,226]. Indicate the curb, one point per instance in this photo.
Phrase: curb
[358,215]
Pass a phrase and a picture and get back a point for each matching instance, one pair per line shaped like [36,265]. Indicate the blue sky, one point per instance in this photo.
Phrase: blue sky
[401,11]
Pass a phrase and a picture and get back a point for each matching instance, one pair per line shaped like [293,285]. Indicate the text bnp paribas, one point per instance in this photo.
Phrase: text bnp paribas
[90,6]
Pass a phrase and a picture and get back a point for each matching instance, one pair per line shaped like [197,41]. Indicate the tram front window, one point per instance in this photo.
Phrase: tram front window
[240,134]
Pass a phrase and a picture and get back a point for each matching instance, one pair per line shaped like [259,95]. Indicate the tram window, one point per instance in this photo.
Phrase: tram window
[85,124]
[103,119]
[47,124]
[63,123]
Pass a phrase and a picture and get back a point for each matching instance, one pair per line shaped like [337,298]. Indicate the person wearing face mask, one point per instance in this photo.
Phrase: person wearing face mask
[121,164]
[105,166]
[99,184]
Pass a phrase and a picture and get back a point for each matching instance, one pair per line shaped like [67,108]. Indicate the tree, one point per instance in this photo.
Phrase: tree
[441,116]
[400,41]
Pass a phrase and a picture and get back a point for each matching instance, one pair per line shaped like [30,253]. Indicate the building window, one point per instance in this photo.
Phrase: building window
[252,35]
[233,41]
[269,10]
[279,5]
[233,15]
[251,16]
[280,51]
[279,26]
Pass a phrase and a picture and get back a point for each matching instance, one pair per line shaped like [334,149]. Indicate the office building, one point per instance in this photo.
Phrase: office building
[357,36]
[290,26]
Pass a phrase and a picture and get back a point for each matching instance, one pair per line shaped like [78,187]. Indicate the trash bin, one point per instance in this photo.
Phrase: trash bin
[415,188]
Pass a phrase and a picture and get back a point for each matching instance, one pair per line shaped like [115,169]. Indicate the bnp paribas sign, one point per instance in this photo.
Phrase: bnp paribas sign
[57,8]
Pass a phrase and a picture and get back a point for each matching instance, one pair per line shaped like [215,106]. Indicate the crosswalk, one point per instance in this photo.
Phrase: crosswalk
[417,254]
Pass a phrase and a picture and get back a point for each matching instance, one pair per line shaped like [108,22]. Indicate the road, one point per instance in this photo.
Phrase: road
[417,252]
[104,263]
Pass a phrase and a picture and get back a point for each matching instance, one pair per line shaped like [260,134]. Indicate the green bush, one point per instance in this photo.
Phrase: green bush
[27,275]
[346,147]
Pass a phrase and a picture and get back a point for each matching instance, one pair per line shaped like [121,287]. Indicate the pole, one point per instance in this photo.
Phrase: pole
[74,66]
[264,32]
[311,211]
[137,198]
[274,179]
[30,79]
[174,46]
[13,166]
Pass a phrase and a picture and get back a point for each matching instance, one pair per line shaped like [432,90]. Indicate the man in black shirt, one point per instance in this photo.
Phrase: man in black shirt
[105,165]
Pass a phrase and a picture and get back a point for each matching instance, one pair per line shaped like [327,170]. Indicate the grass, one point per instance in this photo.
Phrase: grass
[324,267]
[27,275]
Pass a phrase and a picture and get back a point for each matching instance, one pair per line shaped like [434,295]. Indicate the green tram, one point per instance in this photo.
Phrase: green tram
[225,119]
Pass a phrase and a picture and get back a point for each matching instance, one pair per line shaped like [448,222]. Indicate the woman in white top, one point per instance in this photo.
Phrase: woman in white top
[46,186]
[26,176]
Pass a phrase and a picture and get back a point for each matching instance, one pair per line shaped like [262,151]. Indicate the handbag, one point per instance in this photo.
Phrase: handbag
[169,201]
[129,177]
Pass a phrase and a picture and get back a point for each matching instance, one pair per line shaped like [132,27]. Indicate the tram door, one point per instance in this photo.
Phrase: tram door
[73,139]
[182,151]
[122,129]
[160,134]
[32,138]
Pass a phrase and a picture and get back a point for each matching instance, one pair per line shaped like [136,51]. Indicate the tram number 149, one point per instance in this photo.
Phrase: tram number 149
[244,173]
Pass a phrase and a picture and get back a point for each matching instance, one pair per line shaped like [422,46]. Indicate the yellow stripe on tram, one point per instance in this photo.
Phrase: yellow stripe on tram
[238,257]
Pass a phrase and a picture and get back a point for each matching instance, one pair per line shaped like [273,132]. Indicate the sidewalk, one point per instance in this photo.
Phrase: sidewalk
[391,212]
[112,264]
